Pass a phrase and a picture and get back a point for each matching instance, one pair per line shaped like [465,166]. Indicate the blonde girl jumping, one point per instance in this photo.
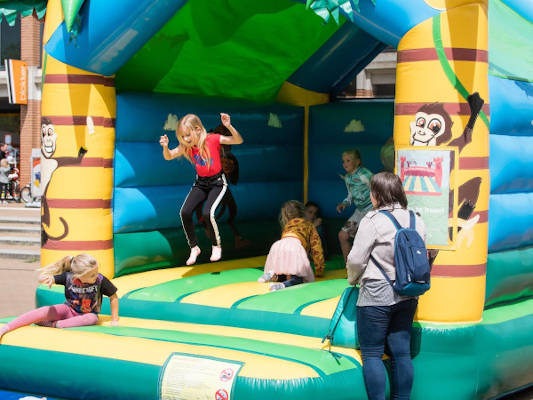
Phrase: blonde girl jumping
[203,151]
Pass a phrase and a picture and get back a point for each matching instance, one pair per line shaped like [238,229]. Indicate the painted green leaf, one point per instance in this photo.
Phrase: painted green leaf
[327,8]
[70,12]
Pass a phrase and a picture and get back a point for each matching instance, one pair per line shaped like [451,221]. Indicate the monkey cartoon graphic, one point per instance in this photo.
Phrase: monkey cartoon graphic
[433,127]
[48,166]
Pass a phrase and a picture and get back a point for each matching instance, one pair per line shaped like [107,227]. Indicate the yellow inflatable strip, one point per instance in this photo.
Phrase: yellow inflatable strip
[440,82]
[449,4]
[148,351]
[289,93]
[104,257]
[97,143]
[321,308]
[79,229]
[252,334]
[129,283]
[84,182]
[55,66]
[79,100]
[227,295]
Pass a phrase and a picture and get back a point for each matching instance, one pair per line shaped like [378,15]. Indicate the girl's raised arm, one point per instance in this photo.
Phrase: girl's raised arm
[235,137]
[169,154]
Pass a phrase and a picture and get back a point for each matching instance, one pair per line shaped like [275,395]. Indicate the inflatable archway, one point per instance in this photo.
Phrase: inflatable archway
[115,77]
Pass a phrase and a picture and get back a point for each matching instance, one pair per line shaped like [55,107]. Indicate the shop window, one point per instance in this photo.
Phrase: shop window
[9,41]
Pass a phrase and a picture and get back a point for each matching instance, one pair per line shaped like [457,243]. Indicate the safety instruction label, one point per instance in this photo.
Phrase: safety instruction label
[187,377]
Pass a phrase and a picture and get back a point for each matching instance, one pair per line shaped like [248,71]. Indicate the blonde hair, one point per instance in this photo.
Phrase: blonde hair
[78,265]
[4,163]
[289,210]
[189,123]
[356,155]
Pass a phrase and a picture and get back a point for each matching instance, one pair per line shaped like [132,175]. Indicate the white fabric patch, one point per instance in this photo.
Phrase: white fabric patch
[274,121]
[90,125]
[171,123]
[355,126]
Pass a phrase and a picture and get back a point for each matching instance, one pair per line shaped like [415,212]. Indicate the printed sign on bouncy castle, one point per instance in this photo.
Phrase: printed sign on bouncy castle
[426,177]
[187,376]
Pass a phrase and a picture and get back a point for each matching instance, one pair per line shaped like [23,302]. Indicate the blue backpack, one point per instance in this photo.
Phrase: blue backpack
[410,259]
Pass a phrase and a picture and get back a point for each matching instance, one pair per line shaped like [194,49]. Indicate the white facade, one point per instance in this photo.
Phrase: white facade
[379,77]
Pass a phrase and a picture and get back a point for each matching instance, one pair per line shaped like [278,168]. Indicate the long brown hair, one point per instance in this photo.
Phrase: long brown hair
[289,210]
[189,123]
[387,189]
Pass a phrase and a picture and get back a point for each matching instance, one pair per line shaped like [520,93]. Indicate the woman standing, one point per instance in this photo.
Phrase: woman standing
[383,316]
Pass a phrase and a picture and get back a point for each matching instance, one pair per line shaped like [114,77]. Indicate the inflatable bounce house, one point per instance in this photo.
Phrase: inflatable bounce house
[118,74]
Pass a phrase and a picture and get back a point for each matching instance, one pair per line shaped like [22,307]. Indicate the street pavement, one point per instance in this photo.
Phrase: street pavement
[18,281]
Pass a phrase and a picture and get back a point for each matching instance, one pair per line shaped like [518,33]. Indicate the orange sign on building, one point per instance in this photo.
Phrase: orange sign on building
[17,81]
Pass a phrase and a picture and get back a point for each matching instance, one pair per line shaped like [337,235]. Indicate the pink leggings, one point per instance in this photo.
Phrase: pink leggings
[58,316]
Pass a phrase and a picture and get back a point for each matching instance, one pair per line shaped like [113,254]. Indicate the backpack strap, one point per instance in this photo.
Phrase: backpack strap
[389,215]
[412,221]
[381,269]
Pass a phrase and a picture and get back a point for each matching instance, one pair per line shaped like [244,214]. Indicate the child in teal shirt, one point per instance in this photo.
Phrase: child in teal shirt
[357,180]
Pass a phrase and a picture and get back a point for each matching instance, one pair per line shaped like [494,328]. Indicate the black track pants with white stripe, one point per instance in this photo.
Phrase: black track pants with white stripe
[211,190]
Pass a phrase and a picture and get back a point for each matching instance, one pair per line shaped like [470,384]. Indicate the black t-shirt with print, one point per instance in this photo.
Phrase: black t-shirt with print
[83,297]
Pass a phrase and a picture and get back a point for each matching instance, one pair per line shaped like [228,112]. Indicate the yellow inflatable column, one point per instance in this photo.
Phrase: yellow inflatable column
[77,147]
[297,96]
[443,60]
[78,119]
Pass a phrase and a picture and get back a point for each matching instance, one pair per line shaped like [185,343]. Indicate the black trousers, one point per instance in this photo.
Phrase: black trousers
[211,190]
[4,190]
[228,201]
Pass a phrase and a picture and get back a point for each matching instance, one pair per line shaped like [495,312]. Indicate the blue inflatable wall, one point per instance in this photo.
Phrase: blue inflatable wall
[334,128]
[511,164]
[149,190]
[511,157]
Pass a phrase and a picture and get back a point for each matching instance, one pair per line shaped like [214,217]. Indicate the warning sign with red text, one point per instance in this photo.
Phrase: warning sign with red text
[197,378]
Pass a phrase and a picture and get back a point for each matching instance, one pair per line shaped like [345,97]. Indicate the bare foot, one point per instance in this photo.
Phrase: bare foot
[216,253]
[195,252]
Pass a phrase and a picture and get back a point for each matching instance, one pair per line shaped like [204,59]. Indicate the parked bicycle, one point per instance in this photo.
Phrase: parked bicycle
[27,196]
[16,193]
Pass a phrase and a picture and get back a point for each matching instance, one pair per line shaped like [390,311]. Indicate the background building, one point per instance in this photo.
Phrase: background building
[20,124]
[378,79]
